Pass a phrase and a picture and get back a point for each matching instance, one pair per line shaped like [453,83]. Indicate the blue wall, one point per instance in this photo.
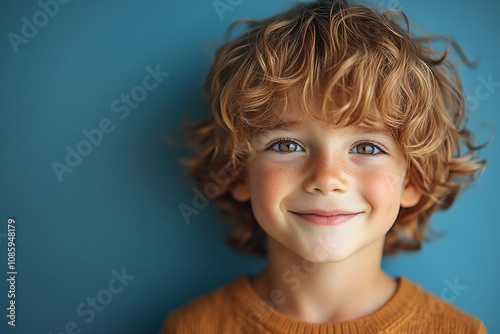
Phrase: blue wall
[107,226]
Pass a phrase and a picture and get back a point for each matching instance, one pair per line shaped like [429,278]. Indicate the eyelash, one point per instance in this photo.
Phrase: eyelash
[282,140]
[378,147]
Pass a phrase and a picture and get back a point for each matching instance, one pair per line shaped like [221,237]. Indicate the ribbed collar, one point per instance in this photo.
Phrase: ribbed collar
[254,310]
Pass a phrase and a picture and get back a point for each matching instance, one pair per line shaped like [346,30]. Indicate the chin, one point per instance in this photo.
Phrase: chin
[326,253]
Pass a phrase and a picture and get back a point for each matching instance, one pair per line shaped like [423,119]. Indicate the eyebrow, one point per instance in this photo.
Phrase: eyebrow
[280,126]
[359,129]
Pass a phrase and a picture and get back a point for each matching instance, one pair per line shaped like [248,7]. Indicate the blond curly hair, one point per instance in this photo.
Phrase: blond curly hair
[339,52]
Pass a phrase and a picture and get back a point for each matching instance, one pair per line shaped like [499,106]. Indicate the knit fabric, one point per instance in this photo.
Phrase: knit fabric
[236,308]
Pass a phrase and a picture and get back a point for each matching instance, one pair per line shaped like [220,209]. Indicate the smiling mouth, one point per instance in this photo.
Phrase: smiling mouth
[326,218]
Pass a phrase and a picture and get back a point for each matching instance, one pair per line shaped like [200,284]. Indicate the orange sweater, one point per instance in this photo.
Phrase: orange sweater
[236,308]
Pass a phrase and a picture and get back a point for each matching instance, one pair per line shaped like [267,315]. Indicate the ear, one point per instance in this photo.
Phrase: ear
[241,190]
[411,195]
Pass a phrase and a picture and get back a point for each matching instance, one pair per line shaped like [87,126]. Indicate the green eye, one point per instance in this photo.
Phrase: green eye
[366,148]
[286,146]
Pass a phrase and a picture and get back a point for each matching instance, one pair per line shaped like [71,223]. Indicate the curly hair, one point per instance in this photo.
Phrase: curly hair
[351,57]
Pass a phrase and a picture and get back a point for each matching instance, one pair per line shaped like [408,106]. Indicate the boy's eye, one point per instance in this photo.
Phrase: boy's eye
[366,148]
[286,146]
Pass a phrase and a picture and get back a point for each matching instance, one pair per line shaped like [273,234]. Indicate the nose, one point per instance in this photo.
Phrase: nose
[326,174]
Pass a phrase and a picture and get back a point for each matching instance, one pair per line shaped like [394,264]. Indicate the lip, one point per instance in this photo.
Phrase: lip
[326,218]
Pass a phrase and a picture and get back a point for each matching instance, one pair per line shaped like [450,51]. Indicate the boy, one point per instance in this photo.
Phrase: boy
[339,136]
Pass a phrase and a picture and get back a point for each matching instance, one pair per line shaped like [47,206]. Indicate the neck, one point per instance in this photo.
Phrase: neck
[326,292]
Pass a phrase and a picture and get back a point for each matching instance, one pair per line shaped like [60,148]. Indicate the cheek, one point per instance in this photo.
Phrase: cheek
[268,186]
[382,191]
[268,182]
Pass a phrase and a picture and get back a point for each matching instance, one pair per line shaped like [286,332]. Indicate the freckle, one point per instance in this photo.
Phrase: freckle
[343,165]
[277,179]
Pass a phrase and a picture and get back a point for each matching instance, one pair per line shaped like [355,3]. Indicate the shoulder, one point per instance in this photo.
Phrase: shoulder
[434,315]
[207,313]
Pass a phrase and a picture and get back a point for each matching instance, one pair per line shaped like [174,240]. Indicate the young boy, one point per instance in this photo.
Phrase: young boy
[337,136]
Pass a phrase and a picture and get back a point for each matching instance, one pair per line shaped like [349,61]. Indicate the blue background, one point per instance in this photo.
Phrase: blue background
[118,208]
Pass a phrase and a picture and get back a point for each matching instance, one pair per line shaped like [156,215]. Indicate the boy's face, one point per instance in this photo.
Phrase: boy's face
[326,192]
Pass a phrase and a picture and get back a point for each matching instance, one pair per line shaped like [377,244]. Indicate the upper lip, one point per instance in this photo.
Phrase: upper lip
[325,213]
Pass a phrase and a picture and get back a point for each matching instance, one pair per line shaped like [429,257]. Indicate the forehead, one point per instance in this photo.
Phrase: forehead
[296,113]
